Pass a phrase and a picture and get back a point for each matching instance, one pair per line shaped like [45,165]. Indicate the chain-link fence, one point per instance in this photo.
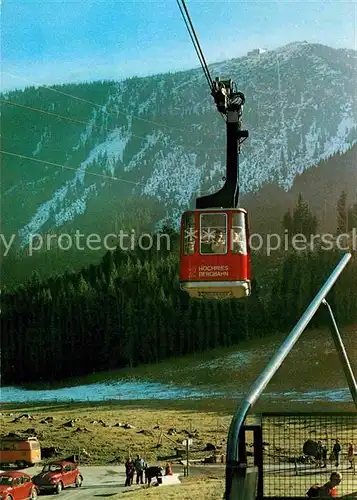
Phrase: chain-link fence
[309,455]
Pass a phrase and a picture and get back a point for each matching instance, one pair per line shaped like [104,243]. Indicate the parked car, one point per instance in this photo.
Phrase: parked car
[21,452]
[16,485]
[58,475]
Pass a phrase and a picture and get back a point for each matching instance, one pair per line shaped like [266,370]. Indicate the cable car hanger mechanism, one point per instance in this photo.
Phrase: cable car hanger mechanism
[230,103]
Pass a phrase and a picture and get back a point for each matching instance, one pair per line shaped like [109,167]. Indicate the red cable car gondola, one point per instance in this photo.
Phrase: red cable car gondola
[215,258]
[215,254]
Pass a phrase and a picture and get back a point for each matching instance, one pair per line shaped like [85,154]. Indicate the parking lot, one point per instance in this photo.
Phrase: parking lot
[99,481]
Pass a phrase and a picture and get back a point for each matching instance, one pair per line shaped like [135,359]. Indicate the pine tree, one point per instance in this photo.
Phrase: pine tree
[342,214]
[303,221]
[287,222]
[352,217]
[254,312]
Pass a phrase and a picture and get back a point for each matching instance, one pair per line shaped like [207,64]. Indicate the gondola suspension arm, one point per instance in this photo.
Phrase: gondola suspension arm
[229,102]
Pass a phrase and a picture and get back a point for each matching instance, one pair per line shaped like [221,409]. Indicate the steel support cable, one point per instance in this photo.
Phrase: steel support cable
[102,106]
[198,44]
[195,43]
[58,165]
[93,104]
[3,101]
[73,120]
[56,115]
[67,167]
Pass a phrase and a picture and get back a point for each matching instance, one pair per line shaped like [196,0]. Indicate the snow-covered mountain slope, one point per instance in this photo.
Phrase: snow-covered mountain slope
[162,137]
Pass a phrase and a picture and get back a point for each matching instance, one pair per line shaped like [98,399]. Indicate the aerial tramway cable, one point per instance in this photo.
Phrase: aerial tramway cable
[195,42]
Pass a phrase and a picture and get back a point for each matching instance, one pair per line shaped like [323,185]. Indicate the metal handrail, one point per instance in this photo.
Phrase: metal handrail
[232,460]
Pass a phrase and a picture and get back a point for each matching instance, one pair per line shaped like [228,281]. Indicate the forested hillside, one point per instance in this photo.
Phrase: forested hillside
[129,310]
[321,187]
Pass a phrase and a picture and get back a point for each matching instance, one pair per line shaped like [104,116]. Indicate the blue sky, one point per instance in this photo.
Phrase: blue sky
[57,41]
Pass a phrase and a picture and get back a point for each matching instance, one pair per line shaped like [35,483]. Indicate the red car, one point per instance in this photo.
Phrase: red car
[58,475]
[17,486]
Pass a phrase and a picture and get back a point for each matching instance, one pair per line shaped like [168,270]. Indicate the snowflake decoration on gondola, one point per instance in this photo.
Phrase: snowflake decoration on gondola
[191,234]
[208,235]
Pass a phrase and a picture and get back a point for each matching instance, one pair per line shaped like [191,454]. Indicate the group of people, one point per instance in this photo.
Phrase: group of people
[140,466]
[329,489]
[321,455]
[217,242]
[214,241]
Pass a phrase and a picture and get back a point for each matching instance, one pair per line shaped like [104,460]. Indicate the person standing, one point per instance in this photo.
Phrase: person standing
[324,456]
[351,457]
[336,452]
[319,454]
[139,467]
[129,470]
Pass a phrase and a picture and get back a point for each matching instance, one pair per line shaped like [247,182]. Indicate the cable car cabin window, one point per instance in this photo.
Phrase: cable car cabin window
[213,237]
[239,234]
[189,227]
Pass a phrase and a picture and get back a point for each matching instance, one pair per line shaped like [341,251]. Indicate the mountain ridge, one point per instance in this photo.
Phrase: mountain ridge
[266,209]
[301,108]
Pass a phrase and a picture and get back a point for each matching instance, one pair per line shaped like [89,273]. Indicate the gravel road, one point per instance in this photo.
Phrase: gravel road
[99,482]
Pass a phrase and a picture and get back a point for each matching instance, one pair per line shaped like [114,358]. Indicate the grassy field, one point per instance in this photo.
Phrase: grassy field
[96,426]
[197,488]
[156,427]
[99,430]
[155,432]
